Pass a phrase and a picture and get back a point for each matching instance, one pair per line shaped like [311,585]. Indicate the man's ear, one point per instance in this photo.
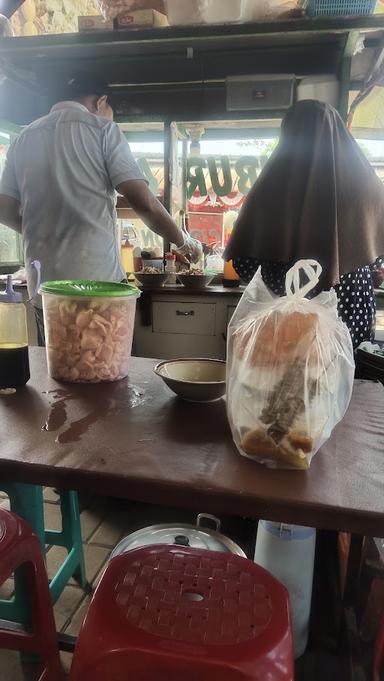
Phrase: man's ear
[101,103]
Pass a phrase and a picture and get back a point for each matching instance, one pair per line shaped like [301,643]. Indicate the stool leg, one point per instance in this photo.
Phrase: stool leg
[72,531]
[43,623]
[70,538]
[27,502]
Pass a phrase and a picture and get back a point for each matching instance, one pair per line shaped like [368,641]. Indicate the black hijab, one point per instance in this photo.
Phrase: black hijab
[317,197]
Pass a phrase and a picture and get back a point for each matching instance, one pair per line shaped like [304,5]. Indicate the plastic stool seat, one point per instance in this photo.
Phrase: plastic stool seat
[19,547]
[174,613]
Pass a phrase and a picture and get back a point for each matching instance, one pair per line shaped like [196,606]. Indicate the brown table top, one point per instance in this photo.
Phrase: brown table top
[135,440]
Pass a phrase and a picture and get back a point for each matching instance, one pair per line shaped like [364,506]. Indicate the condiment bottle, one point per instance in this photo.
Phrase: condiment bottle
[230,278]
[137,259]
[14,360]
[127,257]
[170,268]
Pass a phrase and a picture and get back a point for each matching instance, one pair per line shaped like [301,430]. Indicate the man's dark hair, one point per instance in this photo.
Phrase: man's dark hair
[82,85]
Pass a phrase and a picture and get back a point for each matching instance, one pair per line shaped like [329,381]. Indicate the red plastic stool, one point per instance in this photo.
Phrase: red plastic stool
[165,613]
[19,547]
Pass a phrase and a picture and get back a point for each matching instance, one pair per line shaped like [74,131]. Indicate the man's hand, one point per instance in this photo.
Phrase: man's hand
[10,212]
[191,248]
[151,211]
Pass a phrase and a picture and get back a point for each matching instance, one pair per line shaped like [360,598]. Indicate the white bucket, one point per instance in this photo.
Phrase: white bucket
[288,553]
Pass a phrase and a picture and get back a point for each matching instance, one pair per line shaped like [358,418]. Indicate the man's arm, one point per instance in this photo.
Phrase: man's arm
[10,212]
[127,178]
[151,211]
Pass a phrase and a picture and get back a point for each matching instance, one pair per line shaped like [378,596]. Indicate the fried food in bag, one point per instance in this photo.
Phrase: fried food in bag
[290,370]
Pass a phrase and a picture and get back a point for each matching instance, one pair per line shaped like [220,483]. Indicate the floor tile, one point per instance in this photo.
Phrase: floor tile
[67,605]
[75,623]
[9,661]
[90,521]
[66,661]
[111,530]
[4,504]
[55,557]
[50,496]
[52,516]
[95,558]
[6,589]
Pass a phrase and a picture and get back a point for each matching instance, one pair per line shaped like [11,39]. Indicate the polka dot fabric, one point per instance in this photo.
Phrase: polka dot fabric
[356,306]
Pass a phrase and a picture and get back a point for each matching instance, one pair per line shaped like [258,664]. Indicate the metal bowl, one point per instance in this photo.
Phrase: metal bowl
[151,280]
[195,281]
[194,380]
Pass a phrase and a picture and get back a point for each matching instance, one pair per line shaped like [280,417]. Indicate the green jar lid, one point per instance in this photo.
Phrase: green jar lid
[89,289]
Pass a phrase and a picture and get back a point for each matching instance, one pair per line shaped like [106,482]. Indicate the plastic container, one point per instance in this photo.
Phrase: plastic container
[325,8]
[127,257]
[288,552]
[170,268]
[323,88]
[89,329]
[14,360]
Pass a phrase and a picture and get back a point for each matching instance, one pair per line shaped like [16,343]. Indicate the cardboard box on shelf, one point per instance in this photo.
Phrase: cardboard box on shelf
[148,18]
[94,23]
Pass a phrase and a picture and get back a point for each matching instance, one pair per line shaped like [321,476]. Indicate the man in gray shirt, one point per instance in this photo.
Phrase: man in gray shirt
[58,190]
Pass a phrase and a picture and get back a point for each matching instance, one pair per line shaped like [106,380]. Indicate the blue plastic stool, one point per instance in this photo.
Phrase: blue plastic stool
[27,502]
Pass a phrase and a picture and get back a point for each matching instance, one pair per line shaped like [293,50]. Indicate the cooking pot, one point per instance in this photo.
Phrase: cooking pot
[195,536]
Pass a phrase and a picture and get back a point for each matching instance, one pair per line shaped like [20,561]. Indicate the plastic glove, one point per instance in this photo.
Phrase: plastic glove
[191,248]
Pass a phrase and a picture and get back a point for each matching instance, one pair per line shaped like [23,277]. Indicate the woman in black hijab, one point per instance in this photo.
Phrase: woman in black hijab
[319,198]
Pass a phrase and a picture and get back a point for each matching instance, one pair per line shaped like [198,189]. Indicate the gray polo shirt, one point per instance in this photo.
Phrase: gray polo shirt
[63,169]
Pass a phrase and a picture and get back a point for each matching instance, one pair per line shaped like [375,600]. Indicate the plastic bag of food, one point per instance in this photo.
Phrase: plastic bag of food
[290,370]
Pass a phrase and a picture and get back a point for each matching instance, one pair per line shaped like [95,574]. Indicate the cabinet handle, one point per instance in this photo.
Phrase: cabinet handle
[180,313]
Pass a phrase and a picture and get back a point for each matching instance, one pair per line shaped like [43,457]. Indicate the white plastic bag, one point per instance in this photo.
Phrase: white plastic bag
[290,370]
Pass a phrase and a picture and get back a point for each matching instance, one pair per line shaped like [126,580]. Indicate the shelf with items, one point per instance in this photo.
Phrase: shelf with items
[173,66]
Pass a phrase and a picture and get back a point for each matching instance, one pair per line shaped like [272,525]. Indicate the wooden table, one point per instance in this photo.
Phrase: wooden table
[134,439]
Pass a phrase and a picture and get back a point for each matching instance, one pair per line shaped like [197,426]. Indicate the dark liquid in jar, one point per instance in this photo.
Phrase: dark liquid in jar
[14,365]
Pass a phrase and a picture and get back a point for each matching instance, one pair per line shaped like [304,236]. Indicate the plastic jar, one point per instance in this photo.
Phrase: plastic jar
[170,268]
[89,329]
